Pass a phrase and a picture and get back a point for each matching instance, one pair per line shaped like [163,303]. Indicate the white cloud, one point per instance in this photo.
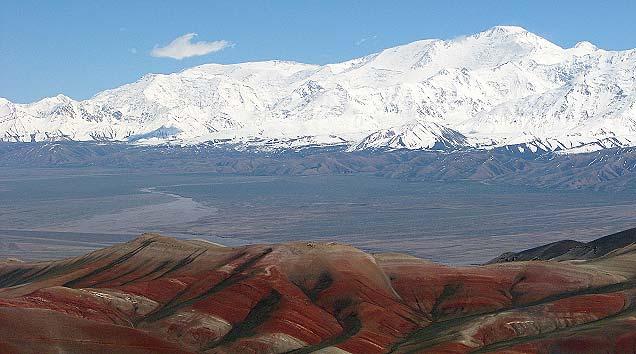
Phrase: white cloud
[365,39]
[182,47]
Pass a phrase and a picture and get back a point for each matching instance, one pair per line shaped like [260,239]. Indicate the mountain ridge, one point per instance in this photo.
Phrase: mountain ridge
[567,250]
[500,87]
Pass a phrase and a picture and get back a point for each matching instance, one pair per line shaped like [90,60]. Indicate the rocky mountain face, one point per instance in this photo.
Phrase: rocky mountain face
[161,295]
[501,87]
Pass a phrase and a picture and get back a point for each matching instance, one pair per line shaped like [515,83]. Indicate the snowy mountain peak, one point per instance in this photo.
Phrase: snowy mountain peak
[586,46]
[501,35]
[414,136]
[501,87]
[499,32]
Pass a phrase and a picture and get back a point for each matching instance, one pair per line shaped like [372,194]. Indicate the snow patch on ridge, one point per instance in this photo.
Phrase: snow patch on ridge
[414,136]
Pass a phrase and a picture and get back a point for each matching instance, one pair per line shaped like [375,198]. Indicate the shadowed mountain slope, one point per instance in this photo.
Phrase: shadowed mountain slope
[157,294]
[572,250]
[607,169]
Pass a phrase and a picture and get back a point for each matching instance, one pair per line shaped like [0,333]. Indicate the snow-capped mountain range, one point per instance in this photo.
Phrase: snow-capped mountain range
[501,87]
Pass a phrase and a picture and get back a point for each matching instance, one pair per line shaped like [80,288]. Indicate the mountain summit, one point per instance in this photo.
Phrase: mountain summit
[501,87]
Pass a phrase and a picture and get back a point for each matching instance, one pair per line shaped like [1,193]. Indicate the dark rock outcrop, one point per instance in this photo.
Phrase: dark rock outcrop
[572,250]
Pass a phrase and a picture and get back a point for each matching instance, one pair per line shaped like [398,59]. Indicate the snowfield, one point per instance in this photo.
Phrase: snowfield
[501,87]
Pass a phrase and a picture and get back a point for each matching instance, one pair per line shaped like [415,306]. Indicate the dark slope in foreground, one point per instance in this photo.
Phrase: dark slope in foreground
[161,295]
[572,250]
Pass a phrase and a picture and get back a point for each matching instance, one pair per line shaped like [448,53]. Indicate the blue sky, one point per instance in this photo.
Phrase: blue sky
[82,47]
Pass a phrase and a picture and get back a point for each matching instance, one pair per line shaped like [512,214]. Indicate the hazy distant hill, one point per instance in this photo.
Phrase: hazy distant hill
[605,169]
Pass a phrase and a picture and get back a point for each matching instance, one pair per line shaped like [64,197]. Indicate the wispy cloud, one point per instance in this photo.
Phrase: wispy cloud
[183,47]
[361,41]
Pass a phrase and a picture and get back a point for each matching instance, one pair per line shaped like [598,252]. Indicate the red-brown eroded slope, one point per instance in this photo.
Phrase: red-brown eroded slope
[157,294]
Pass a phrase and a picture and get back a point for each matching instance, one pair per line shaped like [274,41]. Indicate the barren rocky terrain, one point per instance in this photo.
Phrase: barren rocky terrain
[162,295]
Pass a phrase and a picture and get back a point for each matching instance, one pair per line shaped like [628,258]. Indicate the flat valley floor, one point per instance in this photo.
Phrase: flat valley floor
[56,213]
